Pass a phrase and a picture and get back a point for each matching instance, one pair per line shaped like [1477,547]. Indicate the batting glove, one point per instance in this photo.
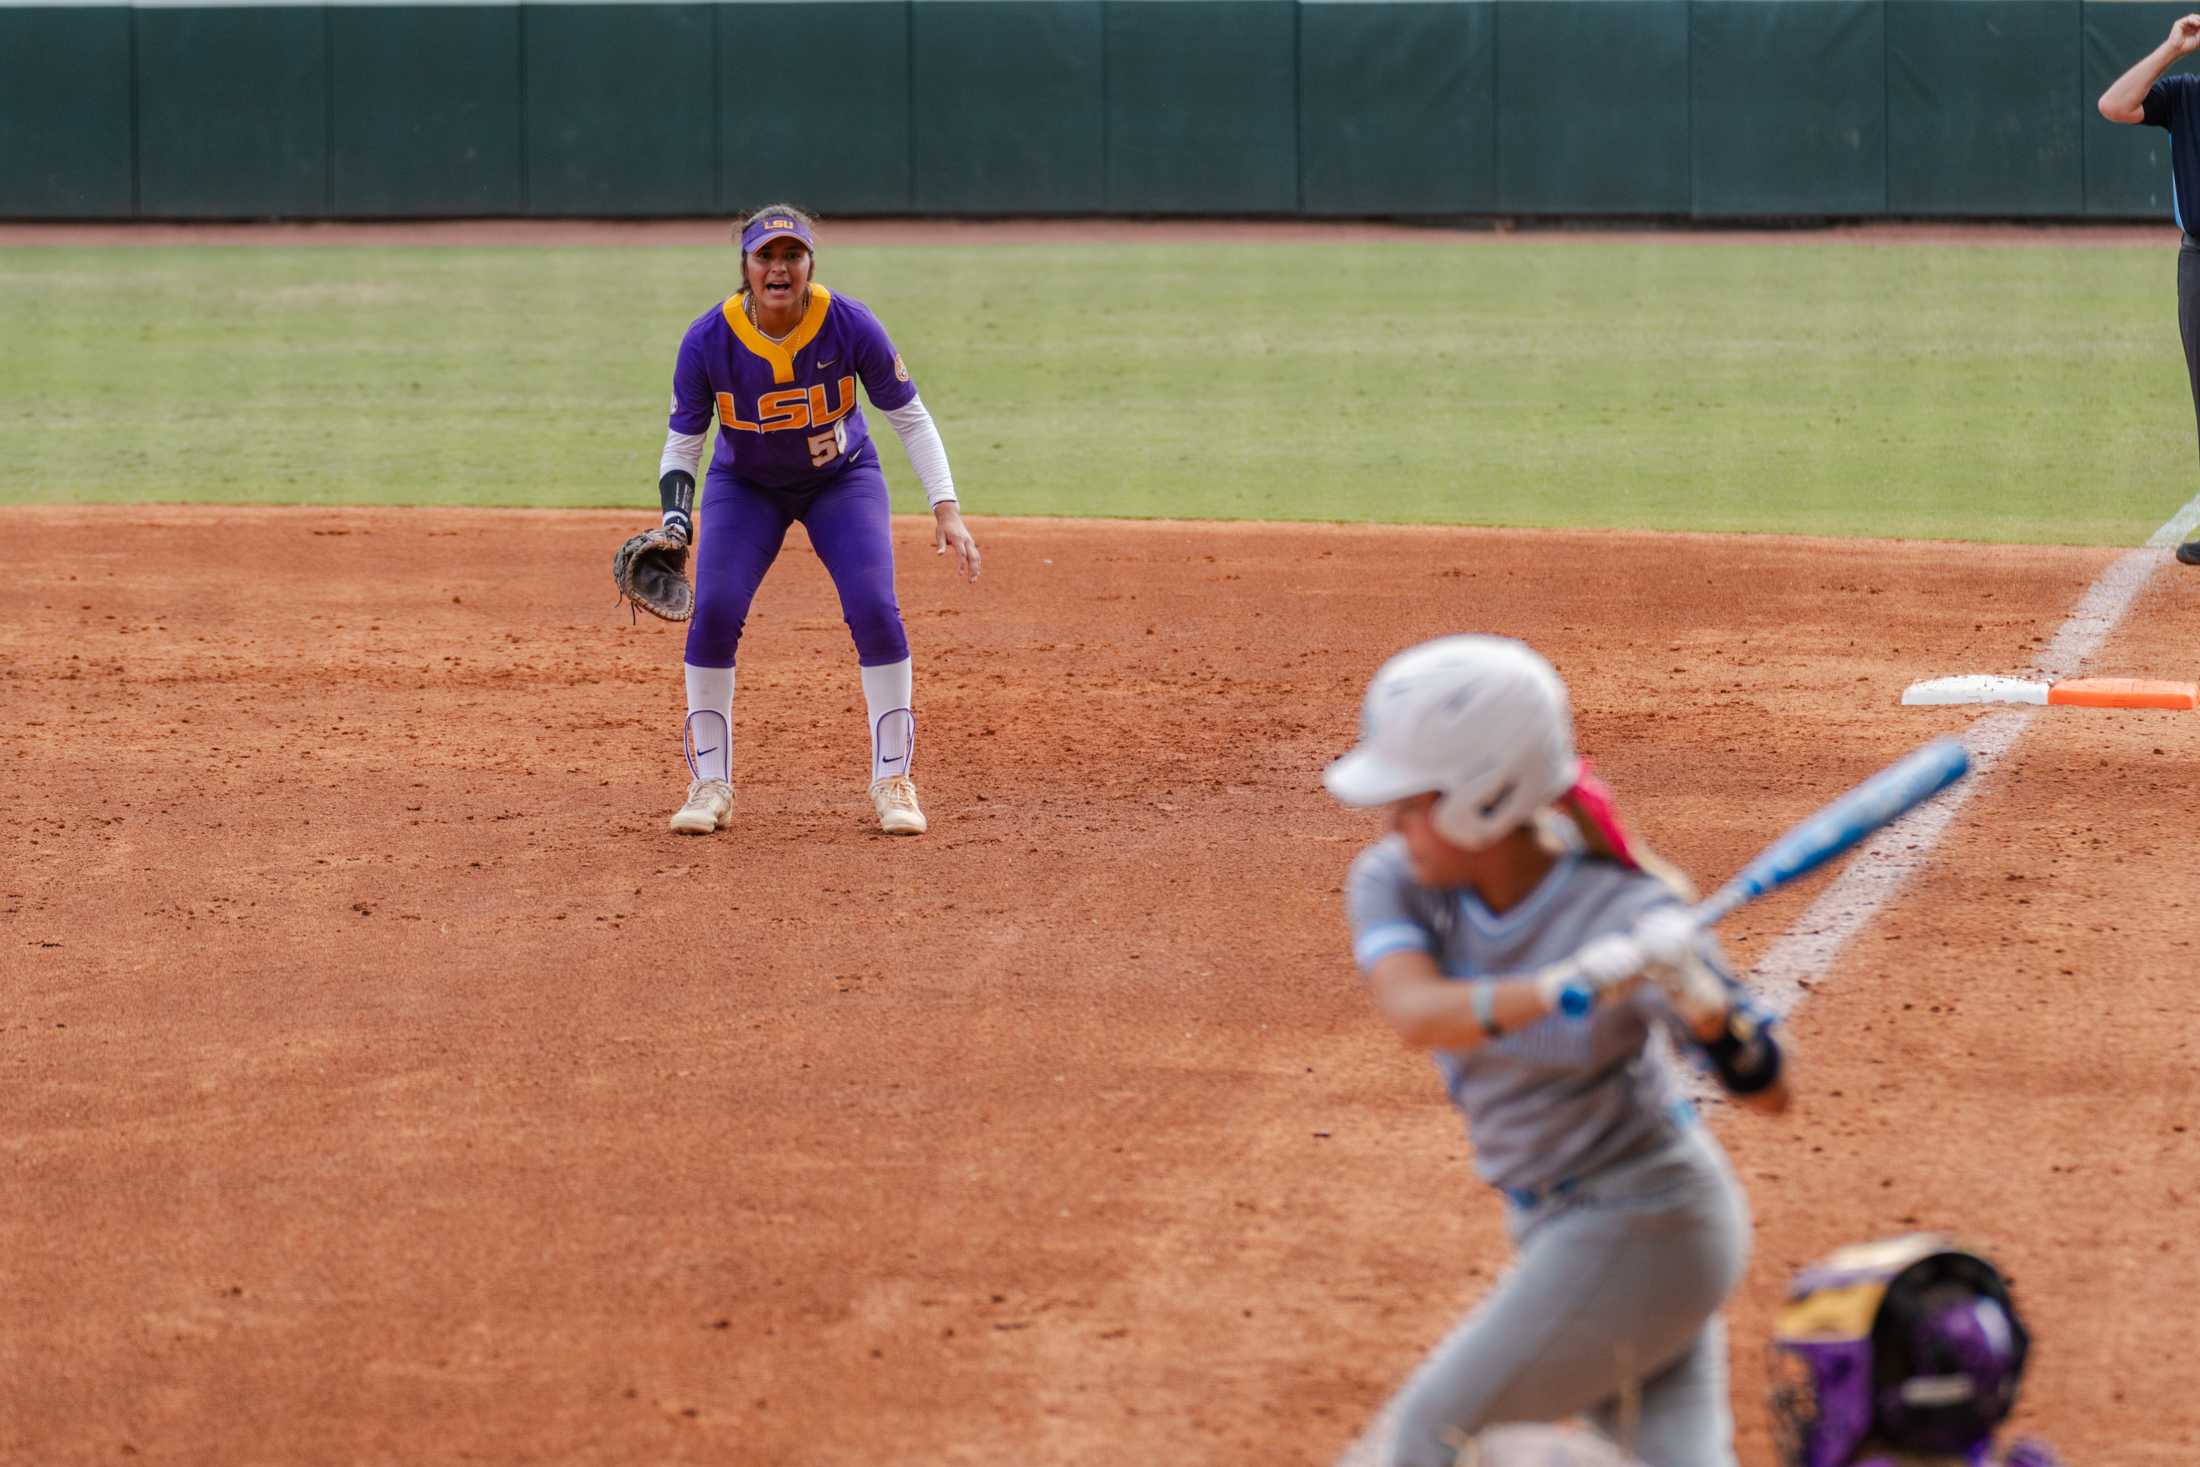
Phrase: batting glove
[1602,966]
[1667,936]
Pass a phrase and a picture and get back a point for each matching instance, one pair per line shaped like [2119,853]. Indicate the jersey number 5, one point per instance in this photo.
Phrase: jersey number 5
[828,445]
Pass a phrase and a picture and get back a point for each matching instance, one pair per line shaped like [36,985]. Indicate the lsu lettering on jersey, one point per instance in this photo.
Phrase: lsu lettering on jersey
[786,410]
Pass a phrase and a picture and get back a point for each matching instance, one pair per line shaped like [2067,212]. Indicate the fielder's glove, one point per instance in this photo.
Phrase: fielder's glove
[650,571]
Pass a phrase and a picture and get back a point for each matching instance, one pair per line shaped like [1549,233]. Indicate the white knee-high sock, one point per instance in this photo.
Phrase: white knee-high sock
[887,695]
[709,735]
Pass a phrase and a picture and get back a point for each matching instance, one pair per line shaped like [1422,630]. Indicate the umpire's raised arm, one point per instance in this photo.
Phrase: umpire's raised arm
[2126,97]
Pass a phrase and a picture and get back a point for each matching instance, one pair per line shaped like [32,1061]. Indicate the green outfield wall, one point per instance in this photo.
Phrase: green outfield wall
[1708,109]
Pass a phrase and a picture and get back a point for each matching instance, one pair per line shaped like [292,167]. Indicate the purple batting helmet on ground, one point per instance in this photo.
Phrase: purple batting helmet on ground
[1950,1369]
[1911,1345]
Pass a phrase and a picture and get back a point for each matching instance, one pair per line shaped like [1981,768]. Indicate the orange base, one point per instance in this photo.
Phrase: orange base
[2123,692]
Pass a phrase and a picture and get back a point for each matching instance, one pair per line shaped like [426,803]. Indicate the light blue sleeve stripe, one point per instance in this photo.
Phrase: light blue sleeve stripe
[1390,937]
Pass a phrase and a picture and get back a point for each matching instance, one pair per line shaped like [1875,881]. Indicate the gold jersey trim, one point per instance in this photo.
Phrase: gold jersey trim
[780,354]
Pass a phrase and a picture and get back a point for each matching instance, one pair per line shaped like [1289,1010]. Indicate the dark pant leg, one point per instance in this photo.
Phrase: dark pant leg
[2188,321]
[741,531]
[850,522]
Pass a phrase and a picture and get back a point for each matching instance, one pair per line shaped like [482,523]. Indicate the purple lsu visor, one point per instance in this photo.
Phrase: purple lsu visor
[775,226]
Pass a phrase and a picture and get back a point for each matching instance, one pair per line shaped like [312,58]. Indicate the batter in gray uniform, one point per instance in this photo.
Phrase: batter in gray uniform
[1505,881]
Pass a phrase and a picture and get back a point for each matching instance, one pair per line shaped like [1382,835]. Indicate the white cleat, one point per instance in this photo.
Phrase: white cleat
[895,799]
[709,807]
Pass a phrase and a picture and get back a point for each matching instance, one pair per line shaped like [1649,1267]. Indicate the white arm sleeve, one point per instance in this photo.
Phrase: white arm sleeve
[927,455]
[682,451]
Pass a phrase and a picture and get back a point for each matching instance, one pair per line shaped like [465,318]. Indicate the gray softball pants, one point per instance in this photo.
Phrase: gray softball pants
[1610,1312]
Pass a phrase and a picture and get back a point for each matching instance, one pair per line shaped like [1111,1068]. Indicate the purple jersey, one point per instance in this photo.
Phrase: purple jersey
[786,410]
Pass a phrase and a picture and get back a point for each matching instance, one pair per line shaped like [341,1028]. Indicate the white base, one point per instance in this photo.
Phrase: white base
[1975,687]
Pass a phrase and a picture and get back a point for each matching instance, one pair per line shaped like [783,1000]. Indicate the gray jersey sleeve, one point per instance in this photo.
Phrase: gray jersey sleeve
[1384,908]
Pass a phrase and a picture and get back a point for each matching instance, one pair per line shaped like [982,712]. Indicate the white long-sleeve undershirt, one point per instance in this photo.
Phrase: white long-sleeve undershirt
[920,439]
[683,451]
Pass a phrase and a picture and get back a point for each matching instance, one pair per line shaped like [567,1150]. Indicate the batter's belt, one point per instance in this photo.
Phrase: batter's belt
[1622,1175]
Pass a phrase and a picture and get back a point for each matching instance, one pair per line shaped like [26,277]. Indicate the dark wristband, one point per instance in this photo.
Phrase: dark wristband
[1745,1066]
[676,491]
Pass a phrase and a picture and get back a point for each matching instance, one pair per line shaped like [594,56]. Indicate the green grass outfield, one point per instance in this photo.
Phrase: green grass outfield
[2012,392]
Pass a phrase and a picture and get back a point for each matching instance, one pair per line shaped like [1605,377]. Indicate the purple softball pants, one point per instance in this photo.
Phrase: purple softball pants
[849,519]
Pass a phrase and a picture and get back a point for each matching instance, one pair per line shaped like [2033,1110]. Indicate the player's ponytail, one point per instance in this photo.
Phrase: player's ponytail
[1594,813]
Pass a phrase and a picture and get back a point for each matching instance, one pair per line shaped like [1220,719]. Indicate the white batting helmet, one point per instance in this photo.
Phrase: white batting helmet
[1483,721]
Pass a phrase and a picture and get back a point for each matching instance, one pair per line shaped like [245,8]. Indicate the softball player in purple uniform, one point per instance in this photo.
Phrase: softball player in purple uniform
[1505,877]
[777,365]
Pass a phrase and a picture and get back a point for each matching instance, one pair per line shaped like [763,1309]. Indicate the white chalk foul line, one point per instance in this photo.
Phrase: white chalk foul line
[1806,952]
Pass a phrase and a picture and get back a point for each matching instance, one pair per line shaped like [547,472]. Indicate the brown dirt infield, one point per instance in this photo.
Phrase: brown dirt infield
[386,1085]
